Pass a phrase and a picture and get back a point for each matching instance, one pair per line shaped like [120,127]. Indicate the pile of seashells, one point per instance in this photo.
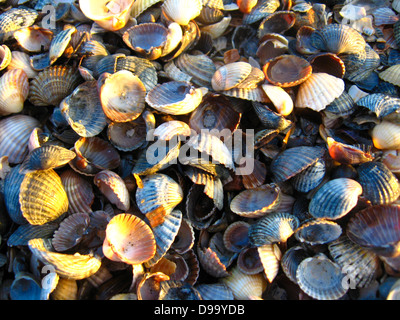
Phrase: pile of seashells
[128,127]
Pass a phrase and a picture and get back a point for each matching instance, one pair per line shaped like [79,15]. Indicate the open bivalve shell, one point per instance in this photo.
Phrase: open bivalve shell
[14,90]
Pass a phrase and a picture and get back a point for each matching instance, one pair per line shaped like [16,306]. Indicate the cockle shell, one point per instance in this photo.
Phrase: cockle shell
[14,90]
[34,38]
[318,231]
[15,19]
[181,11]
[386,135]
[20,60]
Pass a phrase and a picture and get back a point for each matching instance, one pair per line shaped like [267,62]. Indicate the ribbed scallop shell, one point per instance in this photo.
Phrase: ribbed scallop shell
[200,67]
[320,278]
[52,85]
[60,43]
[42,197]
[359,264]
[244,286]
[310,178]
[12,186]
[338,39]
[71,266]
[165,235]
[82,109]
[379,184]
[214,291]
[273,228]
[283,168]
[376,228]
[256,202]
[26,232]
[230,75]
[318,91]
[66,289]
[15,19]
[169,129]
[287,70]
[270,256]
[5,56]
[79,191]
[391,75]
[174,97]
[282,101]
[34,38]
[20,60]
[318,231]
[71,231]
[130,239]
[14,90]
[335,198]
[47,157]
[122,96]
[127,136]
[386,135]
[328,63]
[159,195]
[291,260]
[380,104]
[181,11]
[261,10]
[141,5]
[113,188]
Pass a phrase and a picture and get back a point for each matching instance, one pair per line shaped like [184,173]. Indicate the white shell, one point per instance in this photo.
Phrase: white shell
[182,11]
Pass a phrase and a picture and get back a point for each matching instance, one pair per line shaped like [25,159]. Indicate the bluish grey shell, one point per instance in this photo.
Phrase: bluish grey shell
[214,291]
[380,104]
[310,178]
[25,287]
[318,231]
[342,106]
[26,232]
[12,186]
[291,260]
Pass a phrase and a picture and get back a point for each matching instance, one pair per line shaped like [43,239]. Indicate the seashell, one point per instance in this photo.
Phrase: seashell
[269,118]
[113,188]
[291,259]
[235,236]
[343,105]
[283,168]
[75,267]
[255,94]
[347,154]
[12,186]
[338,39]
[245,286]
[66,289]
[385,135]
[15,19]
[174,97]
[184,240]
[303,40]
[305,15]
[181,11]
[287,70]
[383,16]
[359,264]
[282,101]
[26,232]
[272,228]
[214,291]
[271,46]
[170,129]
[52,85]
[261,10]
[20,60]
[34,38]
[127,136]
[93,155]
[14,90]
[380,104]
[42,197]
[310,178]
[5,56]
[149,286]
[79,192]
[257,202]
[25,287]
[110,15]
[141,6]
[277,22]
[391,74]
[71,231]
[270,256]
[199,67]
[157,198]
[249,262]
[379,184]
[129,239]
[374,229]
[47,157]
[318,231]
[246,6]
[312,94]
[359,66]
[335,198]
[328,63]
[60,43]
[320,278]
[217,29]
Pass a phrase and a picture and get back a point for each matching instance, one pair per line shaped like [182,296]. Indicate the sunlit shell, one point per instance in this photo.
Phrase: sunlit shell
[47,157]
[261,10]
[375,228]
[122,96]
[391,74]
[318,91]
[113,188]
[52,85]
[270,256]
[20,60]
[338,39]
[386,135]
[256,202]
[291,259]
[318,231]
[277,22]
[320,278]
[157,198]
[246,6]
[230,75]
[347,154]
[5,56]
[66,289]
[140,6]
[149,286]
[273,228]
[335,198]
[110,15]
[71,231]
[303,40]
[174,97]
[42,197]
[130,239]
[199,67]
[170,129]
[287,70]
[60,43]
[127,136]
[14,90]
[214,291]
[236,236]
[282,101]
[359,264]
[181,11]
[34,38]
[245,286]
[283,168]
[25,287]
[79,191]
[217,29]
[272,45]
[379,184]
[71,266]
[15,19]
